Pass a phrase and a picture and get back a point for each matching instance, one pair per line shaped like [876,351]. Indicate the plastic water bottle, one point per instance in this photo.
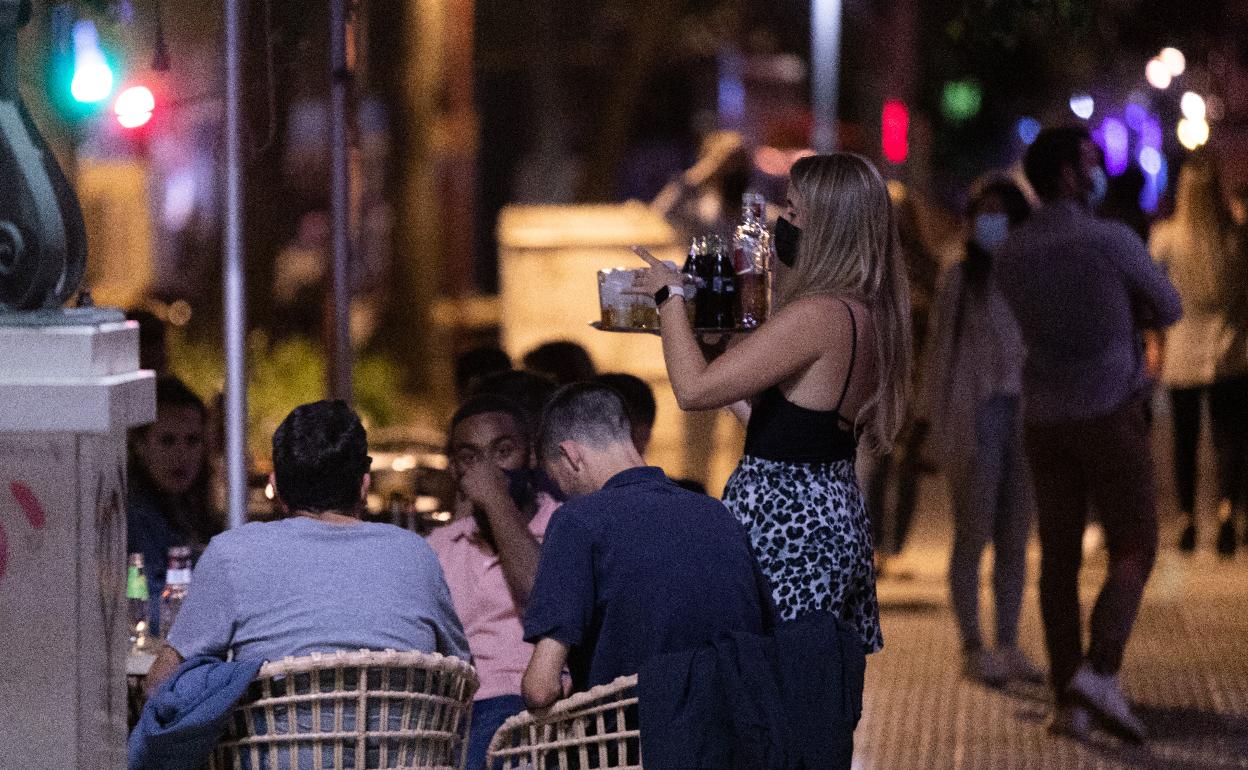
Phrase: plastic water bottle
[177,583]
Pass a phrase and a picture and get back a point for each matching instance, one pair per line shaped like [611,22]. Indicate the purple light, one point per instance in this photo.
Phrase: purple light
[1116,144]
[1154,186]
[1135,115]
[1150,133]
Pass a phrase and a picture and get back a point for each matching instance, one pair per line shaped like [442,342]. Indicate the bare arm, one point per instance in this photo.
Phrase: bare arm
[543,681]
[167,662]
[518,551]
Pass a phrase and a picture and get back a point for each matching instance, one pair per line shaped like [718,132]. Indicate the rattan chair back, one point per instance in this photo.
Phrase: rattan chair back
[593,729]
[357,711]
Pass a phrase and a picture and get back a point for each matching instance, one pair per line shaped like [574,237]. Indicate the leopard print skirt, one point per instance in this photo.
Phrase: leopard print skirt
[809,530]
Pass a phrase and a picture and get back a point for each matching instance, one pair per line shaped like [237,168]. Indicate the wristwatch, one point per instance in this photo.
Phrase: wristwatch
[666,293]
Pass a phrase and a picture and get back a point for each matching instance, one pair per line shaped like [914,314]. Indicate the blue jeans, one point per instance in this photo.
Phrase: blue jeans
[488,715]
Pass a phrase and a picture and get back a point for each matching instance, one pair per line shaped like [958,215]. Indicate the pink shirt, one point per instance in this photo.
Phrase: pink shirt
[491,619]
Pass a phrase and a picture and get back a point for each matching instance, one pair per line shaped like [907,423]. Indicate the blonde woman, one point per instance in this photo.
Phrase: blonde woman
[1206,352]
[828,369]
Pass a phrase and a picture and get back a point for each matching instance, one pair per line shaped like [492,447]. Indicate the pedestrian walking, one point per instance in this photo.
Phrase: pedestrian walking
[1077,286]
[971,396]
[1206,352]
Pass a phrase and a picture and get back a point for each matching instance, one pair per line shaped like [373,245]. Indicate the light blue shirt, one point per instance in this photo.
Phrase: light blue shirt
[1081,288]
[297,586]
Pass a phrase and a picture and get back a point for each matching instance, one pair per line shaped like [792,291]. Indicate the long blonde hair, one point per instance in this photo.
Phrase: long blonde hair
[1200,230]
[849,247]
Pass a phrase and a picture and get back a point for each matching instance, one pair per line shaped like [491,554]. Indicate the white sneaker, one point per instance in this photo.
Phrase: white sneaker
[1018,666]
[1101,693]
[1072,721]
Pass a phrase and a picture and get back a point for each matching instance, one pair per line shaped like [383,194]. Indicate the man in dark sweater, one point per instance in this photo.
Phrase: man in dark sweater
[1079,287]
[632,566]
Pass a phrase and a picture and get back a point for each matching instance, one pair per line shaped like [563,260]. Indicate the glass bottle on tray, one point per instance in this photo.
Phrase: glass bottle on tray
[751,255]
[721,289]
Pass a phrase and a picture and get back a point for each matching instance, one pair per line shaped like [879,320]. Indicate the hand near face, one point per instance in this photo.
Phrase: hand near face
[486,485]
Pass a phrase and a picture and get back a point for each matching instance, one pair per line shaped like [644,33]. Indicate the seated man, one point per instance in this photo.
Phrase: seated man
[632,566]
[490,554]
[320,580]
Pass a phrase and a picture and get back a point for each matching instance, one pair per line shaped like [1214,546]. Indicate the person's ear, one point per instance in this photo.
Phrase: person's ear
[571,453]
[1071,179]
[366,484]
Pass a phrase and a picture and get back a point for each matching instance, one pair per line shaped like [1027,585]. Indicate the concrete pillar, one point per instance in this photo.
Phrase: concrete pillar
[70,388]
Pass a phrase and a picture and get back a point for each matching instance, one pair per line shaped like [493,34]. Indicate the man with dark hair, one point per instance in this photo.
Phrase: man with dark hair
[490,552]
[1079,287]
[563,361]
[632,566]
[475,365]
[526,390]
[320,580]
[638,403]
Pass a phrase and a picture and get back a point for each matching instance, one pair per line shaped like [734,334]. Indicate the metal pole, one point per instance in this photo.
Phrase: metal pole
[825,65]
[235,296]
[339,81]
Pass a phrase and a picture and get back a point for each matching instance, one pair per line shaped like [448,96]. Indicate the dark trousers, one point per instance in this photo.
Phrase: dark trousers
[1228,423]
[890,528]
[1104,462]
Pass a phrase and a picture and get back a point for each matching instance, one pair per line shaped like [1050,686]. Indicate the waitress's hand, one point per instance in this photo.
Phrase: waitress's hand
[659,275]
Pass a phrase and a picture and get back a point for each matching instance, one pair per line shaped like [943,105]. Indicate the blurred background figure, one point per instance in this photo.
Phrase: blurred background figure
[527,390]
[639,403]
[890,525]
[972,398]
[1206,352]
[706,198]
[153,351]
[563,361]
[475,365]
[169,495]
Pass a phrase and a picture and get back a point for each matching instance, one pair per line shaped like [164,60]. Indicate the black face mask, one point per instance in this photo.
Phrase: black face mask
[787,237]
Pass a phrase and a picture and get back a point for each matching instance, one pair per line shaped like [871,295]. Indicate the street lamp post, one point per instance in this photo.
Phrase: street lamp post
[232,274]
[825,65]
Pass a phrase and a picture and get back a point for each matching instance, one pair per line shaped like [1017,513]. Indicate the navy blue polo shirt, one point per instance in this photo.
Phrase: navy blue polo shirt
[640,568]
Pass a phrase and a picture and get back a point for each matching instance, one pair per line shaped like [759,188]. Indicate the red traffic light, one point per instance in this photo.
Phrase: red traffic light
[134,106]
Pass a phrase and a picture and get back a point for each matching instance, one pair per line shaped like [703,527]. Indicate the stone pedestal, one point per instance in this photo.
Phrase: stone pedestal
[68,394]
[549,258]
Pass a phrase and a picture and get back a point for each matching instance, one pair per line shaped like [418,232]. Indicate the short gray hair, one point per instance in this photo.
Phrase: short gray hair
[585,412]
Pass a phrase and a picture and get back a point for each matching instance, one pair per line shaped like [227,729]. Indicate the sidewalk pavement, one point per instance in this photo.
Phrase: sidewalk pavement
[1186,667]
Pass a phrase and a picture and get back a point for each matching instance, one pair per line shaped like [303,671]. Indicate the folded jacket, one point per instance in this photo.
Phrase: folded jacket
[183,721]
[789,701]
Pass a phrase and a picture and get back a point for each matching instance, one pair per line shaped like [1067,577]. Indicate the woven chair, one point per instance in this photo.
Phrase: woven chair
[593,729]
[356,711]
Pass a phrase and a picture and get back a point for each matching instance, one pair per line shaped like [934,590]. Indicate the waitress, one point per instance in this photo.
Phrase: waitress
[826,371]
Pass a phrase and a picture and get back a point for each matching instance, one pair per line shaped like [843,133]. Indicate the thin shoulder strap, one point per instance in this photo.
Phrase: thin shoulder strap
[853,354]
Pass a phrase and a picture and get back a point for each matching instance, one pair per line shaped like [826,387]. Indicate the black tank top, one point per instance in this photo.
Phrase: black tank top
[781,430]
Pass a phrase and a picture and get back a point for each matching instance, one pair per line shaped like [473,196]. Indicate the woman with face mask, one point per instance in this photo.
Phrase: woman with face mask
[827,371]
[971,393]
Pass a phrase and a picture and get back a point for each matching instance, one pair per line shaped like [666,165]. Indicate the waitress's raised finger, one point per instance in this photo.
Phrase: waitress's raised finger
[650,259]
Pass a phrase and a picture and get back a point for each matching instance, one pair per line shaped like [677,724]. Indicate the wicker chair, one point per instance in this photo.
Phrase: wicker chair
[359,710]
[593,729]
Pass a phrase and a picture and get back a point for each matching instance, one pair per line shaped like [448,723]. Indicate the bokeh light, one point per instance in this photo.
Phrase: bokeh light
[134,106]
[1158,74]
[1135,115]
[1193,106]
[961,100]
[1193,133]
[1083,105]
[1150,161]
[1027,128]
[1116,143]
[1174,60]
[93,78]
